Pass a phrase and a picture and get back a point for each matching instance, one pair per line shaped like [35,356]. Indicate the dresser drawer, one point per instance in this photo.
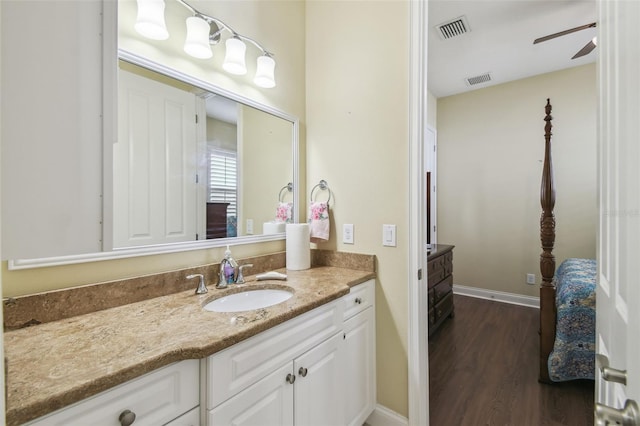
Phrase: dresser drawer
[443,288]
[444,307]
[155,399]
[360,297]
[439,268]
[243,364]
[432,298]
[432,316]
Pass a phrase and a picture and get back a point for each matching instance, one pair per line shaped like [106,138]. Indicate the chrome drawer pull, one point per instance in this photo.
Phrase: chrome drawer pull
[358,301]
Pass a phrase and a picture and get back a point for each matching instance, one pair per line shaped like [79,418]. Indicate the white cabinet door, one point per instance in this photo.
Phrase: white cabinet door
[318,391]
[359,378]
[265,403]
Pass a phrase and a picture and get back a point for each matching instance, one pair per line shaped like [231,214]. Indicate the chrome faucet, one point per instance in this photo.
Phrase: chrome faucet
[240,277]
[202,288]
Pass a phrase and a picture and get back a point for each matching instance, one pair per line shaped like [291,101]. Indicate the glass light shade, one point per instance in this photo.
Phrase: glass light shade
[234,57]
[197,42]
[264,72]
[150,20]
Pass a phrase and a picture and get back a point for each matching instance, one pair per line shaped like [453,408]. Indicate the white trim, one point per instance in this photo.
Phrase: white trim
[141,251]
[498,296]
[418,350]
[382,416]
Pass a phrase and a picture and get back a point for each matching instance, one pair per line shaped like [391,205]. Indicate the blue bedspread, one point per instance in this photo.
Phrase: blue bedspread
[573,355]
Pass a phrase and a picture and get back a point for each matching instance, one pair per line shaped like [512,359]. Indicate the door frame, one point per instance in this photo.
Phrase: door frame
[418,351]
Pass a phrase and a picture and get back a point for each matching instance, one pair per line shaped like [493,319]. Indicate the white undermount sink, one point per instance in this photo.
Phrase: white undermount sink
[248,300]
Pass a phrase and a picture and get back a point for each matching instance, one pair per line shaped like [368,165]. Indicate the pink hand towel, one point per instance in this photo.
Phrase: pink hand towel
[319,222]
[283,212]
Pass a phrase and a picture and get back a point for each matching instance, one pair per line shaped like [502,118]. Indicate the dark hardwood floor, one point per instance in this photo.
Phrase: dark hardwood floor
[483,370]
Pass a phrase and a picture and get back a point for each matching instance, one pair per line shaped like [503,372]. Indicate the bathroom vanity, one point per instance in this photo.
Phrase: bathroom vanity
[167,361]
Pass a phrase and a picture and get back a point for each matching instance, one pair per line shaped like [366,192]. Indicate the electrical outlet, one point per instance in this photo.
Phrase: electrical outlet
[531,278]
[347,233]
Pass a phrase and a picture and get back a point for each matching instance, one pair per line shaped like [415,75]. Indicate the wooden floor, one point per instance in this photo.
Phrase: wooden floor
[483,370]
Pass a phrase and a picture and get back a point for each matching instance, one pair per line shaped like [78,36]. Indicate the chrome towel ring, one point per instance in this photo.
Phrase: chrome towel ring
[288,187]
[323,186]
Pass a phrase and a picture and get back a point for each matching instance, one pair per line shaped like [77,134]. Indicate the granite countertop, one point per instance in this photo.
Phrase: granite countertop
[55,364]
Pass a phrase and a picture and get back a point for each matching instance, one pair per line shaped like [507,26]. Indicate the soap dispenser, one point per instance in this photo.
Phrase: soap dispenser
[228,267]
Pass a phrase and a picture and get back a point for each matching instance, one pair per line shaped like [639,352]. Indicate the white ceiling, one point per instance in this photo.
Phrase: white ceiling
[501,41]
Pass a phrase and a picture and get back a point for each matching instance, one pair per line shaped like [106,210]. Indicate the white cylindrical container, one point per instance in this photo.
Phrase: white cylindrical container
[298,246]
[273,227]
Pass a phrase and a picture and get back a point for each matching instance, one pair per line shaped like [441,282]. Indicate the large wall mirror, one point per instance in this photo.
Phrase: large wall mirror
[192,166]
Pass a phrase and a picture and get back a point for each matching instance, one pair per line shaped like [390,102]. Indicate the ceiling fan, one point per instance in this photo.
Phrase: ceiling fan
[584,51]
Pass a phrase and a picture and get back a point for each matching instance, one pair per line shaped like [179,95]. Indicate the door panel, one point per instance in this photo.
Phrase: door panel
[154,164]
[618,293]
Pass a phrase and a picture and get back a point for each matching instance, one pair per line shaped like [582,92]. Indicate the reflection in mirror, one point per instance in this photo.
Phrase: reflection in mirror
[190,164]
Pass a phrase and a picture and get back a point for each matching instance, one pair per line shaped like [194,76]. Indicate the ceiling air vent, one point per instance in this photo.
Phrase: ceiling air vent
[479,79]
[453,28]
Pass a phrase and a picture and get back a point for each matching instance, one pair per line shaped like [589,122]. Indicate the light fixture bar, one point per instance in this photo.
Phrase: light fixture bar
[224,26]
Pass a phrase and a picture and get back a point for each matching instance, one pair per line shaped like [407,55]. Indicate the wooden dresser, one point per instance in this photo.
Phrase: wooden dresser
[440,281]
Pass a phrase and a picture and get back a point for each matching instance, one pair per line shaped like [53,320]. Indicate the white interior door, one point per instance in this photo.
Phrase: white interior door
[154,170]
[618,290]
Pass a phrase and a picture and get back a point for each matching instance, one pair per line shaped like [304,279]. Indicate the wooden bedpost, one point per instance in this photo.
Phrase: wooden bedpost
[547,259]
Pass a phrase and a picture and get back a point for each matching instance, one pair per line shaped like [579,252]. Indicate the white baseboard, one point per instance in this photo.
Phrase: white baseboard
[498,296]
[382,416]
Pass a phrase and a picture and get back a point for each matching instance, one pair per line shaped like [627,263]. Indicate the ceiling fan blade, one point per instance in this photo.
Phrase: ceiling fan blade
[585,50]
[565,32]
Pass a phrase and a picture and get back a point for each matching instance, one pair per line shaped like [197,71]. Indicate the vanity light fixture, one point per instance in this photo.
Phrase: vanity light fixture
[202,32]
[234,58]
[150,20]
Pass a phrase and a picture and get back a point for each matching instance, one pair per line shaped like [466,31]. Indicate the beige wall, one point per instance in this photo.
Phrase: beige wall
[357,140]
[280,27]
[266,139]
[490,153]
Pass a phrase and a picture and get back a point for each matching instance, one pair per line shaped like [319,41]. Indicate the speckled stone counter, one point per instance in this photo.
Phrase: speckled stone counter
[55,364]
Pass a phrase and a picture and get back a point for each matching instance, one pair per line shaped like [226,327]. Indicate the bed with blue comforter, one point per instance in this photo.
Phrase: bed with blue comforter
[573,354]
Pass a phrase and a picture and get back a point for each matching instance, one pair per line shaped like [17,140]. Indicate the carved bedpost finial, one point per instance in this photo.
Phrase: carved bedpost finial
[547,201]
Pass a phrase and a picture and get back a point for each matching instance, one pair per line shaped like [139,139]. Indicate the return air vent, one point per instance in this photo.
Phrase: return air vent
[479,79]
[453,28]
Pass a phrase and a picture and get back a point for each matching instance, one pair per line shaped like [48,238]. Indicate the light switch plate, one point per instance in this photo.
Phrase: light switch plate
[249,226]
[389,235]
[347,233]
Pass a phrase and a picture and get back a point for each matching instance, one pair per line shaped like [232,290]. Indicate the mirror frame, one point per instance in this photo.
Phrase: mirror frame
[110,109]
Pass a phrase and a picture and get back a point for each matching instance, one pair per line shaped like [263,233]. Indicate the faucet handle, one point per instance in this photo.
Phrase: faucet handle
[240,277]
[202,288]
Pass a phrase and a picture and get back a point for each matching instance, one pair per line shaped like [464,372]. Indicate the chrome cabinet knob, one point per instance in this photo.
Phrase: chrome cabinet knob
[291,378]
[127,417]
[302,371]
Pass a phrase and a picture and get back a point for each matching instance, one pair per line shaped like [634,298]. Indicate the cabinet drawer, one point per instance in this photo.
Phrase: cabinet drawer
[239,366]
[432,298]
[359,298]
[443,288]
[155,399]
[444,307]
[192,418]
[432,316]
